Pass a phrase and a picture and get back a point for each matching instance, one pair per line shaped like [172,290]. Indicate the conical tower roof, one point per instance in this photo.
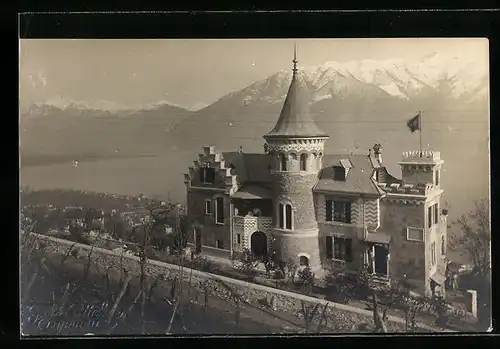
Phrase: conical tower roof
[295,120]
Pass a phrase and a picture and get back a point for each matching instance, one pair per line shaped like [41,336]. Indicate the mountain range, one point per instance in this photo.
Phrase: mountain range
[382,94]
[466,80]
[365,91]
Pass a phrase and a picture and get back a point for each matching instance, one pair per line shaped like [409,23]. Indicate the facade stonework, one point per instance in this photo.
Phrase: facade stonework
[291,246]
[296,203]
[297,190]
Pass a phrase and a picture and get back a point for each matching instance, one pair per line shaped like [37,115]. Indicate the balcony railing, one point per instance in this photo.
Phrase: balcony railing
[250,224]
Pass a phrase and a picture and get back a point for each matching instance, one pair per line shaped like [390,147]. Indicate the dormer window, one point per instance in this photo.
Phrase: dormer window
[339,173]
[341,169]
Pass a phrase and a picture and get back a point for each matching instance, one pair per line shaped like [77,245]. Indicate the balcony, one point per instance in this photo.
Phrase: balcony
[249,224]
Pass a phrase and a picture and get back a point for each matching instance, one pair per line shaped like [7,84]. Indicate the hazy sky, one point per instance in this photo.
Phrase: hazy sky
[191,72]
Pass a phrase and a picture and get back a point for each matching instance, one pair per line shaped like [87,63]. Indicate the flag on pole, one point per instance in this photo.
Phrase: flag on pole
[414,124]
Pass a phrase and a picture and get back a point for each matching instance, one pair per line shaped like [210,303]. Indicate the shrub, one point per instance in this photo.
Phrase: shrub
[204,264]
[306,279]
[338,286]
[247,265]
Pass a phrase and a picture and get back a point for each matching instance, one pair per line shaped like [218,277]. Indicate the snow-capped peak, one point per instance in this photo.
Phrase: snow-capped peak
[395,77]
[61,103]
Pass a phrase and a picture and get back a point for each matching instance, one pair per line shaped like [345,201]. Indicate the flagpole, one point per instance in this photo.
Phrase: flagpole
[420,131]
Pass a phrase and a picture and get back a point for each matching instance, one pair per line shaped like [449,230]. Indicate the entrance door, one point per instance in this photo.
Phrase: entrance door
[380,260]
[258,244]
[197,240]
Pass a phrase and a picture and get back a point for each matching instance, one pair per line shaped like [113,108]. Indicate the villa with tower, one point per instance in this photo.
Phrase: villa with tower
[297,203]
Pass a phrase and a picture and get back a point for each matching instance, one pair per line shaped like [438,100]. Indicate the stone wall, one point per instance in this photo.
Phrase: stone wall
[354,231]
[370,213]
[341,318]
[406,256]
[292,245]
[296,189]
[210,231]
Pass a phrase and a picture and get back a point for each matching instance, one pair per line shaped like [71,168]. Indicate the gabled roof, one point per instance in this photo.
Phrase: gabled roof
[295,120]
[359,179]
[250,167]
[252,191]
[254,169]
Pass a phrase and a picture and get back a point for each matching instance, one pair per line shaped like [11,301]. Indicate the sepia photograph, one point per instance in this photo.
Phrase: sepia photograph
[254,186]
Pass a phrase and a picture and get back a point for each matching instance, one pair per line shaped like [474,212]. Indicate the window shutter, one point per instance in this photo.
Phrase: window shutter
[220,210]
[348,250]
[348,212]
[329,247]
[329,210]
[429,217]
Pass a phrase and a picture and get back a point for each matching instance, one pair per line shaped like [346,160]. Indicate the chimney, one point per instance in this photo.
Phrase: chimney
[240,150]
[377,151]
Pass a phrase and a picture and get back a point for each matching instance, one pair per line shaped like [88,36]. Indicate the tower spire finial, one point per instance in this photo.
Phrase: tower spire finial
[294,58]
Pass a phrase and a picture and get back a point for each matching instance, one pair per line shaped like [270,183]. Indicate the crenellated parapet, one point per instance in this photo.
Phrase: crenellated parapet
[421,168]
[407,189]
[400,200]
[424,156]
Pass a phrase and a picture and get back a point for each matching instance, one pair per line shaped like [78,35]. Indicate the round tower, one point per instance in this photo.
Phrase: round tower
[296,144]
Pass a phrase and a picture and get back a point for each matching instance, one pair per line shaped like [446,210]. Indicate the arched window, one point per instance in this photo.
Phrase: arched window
[303,261]
[443,246]
[285,216]
[293,156]
[303,162]
[282,159]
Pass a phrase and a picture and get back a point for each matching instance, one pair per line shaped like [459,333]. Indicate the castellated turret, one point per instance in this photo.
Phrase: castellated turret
[420,168]
[297,146]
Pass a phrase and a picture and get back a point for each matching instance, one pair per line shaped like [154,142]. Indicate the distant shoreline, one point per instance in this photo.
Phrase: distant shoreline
[53,159]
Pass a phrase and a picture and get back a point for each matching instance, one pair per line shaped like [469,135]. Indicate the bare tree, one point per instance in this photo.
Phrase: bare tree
[291,269]
[475,237]
[378,318]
